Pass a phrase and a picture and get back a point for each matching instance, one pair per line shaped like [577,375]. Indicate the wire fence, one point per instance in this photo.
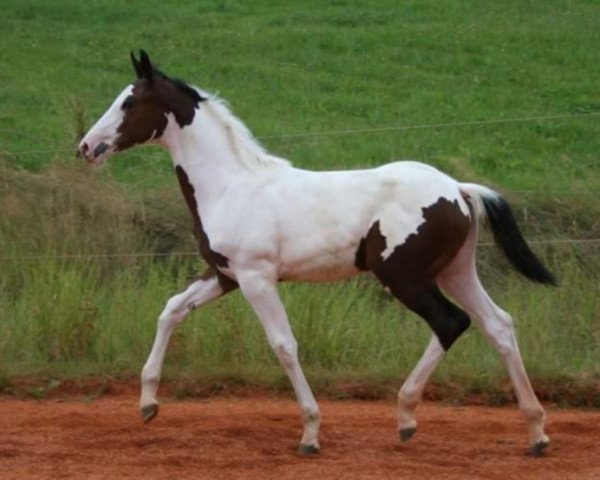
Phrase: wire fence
[92,256]
[328,133]
[23,153]
[350,131]
[395,128]
[369,130]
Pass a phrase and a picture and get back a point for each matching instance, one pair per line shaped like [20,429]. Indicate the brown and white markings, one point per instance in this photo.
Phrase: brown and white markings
[259,221]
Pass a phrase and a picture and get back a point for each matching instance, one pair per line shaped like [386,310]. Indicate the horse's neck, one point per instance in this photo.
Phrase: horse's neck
[204,151]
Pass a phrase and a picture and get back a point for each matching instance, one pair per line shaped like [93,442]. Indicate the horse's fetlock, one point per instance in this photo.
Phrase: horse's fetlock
[150,376]
[311,414]
[408,399]
[535,414]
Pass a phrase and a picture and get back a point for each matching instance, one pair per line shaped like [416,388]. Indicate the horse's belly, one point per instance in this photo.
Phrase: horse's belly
[325,266]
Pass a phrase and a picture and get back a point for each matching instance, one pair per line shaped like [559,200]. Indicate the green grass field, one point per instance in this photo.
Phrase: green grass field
[301,67]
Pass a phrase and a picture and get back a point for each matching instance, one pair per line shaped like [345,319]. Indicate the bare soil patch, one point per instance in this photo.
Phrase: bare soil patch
[256,436]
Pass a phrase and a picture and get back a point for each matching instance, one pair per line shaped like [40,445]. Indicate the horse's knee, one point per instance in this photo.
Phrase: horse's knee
[173,313]
[287,352]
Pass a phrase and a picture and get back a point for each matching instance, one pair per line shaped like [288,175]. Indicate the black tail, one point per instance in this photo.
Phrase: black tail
[510,240]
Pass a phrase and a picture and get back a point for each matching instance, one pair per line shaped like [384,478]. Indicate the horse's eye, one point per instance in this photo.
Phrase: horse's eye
[128,103]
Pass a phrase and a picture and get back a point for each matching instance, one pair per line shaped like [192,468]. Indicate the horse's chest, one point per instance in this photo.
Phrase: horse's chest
[216,260]
[210,256]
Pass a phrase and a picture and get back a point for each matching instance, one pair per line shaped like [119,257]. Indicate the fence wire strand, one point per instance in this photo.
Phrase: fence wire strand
[353,131]
[84,256]
[356,131]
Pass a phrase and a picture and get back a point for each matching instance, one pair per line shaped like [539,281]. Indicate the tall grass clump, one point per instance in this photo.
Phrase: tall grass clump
[63,209]
[68,245]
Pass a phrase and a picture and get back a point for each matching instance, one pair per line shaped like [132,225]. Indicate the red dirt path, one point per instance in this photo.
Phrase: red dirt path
[256,437]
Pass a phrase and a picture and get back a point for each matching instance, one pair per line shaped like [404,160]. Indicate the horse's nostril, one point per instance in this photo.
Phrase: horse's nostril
[82,150]
[100,149]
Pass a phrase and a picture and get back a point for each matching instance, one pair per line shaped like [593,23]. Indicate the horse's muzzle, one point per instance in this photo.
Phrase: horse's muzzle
[91,155]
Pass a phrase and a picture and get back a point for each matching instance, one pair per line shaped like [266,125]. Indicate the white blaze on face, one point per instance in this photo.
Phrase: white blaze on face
[104,130]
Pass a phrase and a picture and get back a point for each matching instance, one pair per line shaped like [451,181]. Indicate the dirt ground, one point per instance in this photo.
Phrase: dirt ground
[256,437]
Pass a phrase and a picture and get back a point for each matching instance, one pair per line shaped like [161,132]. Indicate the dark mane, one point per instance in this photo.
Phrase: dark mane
[182,86]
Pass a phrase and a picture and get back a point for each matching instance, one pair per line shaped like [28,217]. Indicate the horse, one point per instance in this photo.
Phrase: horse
[258,221]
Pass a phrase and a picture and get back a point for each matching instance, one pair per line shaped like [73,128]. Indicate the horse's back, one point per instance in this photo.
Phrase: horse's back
[324,216]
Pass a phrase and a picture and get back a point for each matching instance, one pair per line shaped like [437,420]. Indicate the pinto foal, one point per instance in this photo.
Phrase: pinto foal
[258,221]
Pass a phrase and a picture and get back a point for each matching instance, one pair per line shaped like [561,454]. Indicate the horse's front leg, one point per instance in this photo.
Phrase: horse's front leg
[262,294]
[198,293]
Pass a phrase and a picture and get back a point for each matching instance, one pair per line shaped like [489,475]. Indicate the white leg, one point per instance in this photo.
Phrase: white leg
[262,295]
[411,392]
[497,326]
[178,306]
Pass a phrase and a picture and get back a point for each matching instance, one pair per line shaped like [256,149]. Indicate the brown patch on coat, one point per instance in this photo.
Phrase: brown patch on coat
[425,253]
[410,271]
[370,247]
[214,259]
[147,107]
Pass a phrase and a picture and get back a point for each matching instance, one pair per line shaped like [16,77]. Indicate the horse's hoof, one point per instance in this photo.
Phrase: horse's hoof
[407,433]
[149,412]
[539,448]
[305,449]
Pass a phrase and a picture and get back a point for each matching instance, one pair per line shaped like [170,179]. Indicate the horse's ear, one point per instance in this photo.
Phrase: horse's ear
[136,65]
[146,68]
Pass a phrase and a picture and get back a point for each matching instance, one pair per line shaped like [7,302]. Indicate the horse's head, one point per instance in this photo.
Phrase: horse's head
[142,112]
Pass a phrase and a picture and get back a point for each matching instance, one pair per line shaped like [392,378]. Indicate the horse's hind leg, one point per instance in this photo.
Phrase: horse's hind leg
[411,392]
[448,322]
[497,325]
[198,293]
